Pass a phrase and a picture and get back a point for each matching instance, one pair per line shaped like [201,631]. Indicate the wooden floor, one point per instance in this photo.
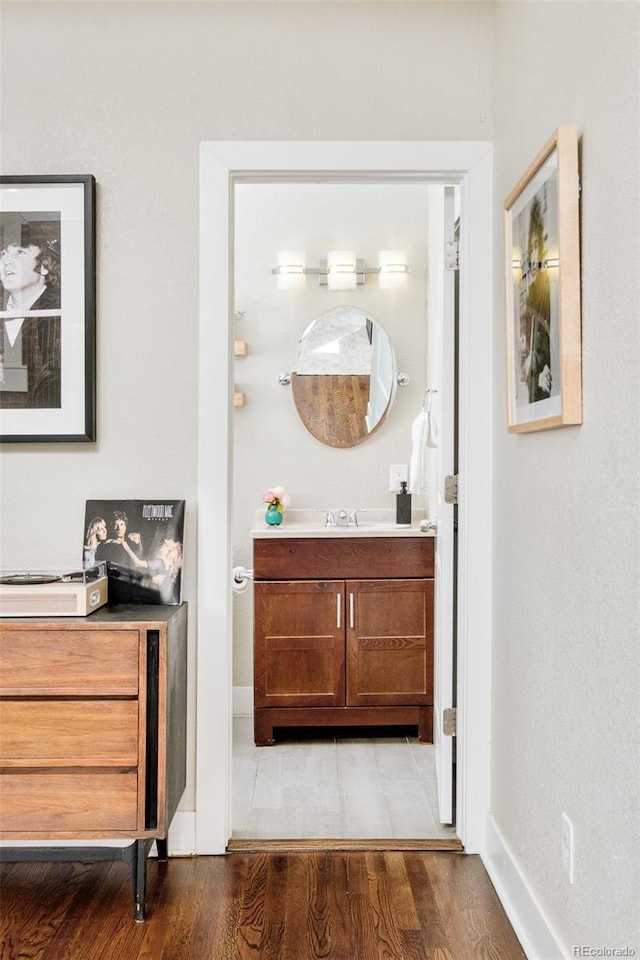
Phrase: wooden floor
[289,906]
[319,785]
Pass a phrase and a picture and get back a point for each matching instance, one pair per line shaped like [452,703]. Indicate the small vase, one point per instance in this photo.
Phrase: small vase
[273,516]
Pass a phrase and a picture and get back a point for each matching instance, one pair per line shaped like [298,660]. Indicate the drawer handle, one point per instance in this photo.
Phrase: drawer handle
[338,610]
[351,615]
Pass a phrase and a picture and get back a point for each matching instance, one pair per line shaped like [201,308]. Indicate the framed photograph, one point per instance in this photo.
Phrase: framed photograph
[47,316]
[542,275]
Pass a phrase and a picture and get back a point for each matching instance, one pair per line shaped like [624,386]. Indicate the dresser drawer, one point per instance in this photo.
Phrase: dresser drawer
[69,732]
[60,801]
[68,662]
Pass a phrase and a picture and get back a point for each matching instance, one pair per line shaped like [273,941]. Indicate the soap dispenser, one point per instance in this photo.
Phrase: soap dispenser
[403,506]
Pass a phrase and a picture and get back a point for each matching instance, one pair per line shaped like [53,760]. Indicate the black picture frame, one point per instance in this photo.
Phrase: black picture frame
[47,345]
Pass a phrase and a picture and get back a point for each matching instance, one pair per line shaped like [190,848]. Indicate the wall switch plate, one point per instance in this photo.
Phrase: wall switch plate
[398,473]
[567,847]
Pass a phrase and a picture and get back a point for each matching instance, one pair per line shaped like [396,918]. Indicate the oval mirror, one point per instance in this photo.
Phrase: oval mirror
[345,376]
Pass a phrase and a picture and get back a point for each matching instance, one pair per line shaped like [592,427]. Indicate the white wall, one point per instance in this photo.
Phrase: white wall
[271,445]
[127,91]
[566,506]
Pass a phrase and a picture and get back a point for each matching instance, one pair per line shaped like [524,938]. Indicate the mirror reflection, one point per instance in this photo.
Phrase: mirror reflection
[344,378]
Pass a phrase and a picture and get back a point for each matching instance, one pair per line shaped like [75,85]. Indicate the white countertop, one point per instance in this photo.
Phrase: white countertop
[311,523]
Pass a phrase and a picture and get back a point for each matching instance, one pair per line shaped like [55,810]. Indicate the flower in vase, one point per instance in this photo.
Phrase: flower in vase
[277,498]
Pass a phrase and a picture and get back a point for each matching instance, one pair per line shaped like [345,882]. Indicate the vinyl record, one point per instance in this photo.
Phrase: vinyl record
[29,579]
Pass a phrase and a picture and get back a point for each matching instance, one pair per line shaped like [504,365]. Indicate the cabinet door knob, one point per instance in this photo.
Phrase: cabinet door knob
[351,608]
[338,610]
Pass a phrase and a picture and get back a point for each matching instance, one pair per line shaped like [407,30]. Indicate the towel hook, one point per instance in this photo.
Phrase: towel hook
[428,396]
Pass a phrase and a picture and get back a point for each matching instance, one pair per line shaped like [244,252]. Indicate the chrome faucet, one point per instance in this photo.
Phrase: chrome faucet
[348,519]
[341,519]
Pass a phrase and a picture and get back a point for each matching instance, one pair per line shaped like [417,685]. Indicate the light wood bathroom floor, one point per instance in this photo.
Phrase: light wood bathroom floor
[339,788]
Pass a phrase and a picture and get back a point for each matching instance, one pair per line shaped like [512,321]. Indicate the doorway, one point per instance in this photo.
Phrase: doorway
[306,787]
[222,164]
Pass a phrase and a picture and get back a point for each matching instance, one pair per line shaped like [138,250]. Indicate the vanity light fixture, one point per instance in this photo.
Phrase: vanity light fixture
[392,269]
[341,270]
[290,270]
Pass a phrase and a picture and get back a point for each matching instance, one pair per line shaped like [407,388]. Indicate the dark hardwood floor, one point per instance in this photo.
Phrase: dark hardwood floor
[370,905]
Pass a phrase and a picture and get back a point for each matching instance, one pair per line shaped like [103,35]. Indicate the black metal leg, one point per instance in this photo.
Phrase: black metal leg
[140,878]
[163,848]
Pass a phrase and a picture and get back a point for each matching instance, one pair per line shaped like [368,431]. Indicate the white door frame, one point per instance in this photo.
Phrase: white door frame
[468,163]
[442,377]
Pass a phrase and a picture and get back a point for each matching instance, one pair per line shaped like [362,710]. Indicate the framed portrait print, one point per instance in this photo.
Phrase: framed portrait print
[542,278]
[47,315]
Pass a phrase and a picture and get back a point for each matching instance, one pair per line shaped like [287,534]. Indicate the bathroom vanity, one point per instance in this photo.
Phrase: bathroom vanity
[343,629]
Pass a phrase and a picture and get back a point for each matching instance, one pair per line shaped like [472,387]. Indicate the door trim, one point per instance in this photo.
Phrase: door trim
[468,163]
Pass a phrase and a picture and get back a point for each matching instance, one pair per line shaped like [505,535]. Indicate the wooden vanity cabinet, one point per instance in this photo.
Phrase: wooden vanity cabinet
[299,656]
[343,633]
[93,733]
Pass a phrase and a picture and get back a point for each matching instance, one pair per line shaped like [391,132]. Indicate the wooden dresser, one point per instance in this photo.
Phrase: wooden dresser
[343,633]
[93,733]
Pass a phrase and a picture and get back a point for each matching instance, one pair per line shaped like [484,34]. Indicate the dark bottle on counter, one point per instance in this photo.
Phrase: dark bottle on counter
[403,506]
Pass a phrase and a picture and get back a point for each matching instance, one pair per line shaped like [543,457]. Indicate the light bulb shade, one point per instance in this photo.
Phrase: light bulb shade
[341,270]
[290,269]
[392,269]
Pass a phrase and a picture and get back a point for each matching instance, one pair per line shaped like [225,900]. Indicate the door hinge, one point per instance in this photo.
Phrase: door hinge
[451,488]
[449,721]
[452,255]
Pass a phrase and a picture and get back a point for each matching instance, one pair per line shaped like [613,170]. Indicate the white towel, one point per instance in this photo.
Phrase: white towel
[418,444]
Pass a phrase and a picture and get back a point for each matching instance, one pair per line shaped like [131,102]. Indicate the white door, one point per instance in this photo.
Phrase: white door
[440,403]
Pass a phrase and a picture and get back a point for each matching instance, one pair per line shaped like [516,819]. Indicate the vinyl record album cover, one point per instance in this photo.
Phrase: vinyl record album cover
[142,544]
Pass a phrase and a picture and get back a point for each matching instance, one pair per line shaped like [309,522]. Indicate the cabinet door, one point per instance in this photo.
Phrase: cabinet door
[389,633]
[298,643]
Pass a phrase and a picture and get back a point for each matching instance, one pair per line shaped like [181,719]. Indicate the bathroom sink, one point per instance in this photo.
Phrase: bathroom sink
[312,523]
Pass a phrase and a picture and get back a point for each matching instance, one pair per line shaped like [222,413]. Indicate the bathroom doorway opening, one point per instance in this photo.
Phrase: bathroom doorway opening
[223,165]
[325,784]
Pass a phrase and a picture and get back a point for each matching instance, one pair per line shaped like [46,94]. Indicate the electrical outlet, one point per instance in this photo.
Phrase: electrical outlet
[567,847]
[397,474]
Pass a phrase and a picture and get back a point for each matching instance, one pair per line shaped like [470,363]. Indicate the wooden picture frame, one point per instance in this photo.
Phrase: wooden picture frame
[542,280]
[47,311]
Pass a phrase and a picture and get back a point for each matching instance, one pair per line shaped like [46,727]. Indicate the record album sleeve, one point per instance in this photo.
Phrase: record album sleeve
[142,543]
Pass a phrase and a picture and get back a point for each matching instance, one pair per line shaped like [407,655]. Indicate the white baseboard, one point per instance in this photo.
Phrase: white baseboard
[182,834]
[531,926]
[243,701]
